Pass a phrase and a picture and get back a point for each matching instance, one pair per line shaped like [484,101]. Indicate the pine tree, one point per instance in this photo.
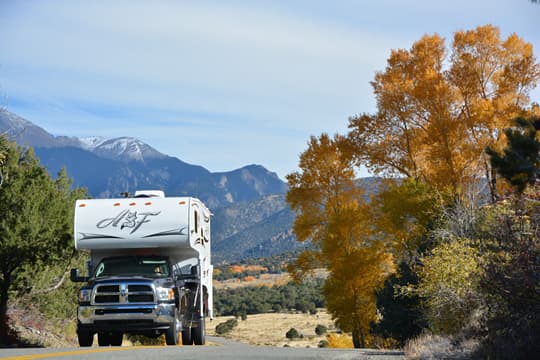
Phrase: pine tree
[520,159]
[36,216]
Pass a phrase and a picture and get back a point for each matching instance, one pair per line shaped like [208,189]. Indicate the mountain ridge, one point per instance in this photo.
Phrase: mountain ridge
[110,166]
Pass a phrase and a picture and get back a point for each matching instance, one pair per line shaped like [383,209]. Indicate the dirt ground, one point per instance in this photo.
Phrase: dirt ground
[270,329]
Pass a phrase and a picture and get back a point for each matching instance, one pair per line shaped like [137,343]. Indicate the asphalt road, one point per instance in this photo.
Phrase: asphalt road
[218,349]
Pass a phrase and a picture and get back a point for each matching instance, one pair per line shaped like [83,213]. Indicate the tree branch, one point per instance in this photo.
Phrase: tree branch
[52,288]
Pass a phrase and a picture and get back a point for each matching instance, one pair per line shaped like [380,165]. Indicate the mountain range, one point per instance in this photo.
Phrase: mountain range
[108,167]
[251,217]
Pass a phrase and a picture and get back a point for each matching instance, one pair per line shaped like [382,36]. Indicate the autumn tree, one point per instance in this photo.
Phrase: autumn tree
[333,215]
[438,109]
[36,215]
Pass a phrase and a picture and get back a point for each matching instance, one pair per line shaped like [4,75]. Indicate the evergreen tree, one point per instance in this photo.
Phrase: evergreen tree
[3,155]
[36,221]
[519,161]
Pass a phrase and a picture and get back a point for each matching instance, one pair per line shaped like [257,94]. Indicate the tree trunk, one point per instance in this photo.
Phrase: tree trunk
[4,290]
[358,339]
[493,185]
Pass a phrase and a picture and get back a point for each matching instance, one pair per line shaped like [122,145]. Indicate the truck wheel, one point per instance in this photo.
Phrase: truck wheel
[104,339]
[199,333]
[187,339]
[115,339]
[171,336]
[86,338]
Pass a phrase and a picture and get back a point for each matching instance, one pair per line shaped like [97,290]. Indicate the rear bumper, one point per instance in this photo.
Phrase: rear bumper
[126,318]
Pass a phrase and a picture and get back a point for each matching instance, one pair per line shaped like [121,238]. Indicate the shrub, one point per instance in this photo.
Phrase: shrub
[293,334]
[510,282]
[339,341]
[323,344]
[226,326]
[428,346]
[450,286]
[320,329]
[141,340]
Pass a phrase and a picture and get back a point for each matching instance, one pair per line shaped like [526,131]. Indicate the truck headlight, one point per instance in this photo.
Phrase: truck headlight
[85,295]
[165,294]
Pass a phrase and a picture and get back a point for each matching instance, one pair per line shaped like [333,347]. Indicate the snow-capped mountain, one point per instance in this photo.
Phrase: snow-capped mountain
[107,167]
[123,148]
[120,148]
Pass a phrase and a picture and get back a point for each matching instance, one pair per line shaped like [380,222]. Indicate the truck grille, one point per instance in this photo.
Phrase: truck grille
[123,294]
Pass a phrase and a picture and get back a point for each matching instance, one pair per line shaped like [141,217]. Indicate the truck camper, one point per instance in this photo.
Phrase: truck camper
[149,271]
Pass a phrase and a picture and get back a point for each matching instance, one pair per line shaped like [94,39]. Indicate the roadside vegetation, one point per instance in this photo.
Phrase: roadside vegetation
[36,230]
[303,297]
[448,249]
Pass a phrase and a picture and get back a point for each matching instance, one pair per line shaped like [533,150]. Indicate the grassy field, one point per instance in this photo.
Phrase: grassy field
[270,329]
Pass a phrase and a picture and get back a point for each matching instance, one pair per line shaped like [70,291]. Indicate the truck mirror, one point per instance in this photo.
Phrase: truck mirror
[89,269]
[75,276]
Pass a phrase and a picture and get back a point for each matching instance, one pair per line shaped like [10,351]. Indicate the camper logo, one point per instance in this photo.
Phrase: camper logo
[127,219]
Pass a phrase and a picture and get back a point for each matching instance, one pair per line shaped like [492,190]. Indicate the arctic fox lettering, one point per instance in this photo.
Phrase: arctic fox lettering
[131,220]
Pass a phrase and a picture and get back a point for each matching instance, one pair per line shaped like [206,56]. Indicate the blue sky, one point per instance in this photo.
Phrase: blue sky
[220,84]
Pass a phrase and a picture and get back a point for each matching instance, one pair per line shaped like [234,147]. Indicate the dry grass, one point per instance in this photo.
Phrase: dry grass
[270,329]
[427,347]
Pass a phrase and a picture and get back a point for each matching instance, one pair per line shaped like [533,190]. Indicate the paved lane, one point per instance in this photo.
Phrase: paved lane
[219,349]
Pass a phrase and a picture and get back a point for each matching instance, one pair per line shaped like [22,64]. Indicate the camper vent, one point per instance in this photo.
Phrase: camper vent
[150,193]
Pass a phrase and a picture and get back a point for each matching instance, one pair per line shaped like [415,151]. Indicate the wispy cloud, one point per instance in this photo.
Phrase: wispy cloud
[240,82]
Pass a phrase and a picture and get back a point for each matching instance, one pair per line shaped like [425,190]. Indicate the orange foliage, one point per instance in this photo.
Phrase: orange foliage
[249,278]
[333,214]
[339,341]
[238,269]
[434,121]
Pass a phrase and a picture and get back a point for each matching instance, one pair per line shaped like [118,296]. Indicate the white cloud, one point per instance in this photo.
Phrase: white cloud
[264,73]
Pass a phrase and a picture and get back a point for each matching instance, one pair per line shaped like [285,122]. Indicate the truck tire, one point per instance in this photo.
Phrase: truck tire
[86,338]
[171,336]
[104,339]
[115,339]
[199,333]
[187,339]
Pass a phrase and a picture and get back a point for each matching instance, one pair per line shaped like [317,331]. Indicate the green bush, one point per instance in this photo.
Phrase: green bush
[227,326]
[293,334]
[320,329]
[323,344]
[304,297]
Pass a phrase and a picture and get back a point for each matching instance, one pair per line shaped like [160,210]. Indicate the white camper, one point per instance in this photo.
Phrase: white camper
[150,268]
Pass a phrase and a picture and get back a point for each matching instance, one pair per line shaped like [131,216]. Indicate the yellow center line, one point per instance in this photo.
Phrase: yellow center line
[76,352]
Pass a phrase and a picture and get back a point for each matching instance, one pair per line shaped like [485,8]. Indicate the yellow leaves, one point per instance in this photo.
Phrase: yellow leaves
[332,213]
[339,341]
[436,114]
[449,284]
